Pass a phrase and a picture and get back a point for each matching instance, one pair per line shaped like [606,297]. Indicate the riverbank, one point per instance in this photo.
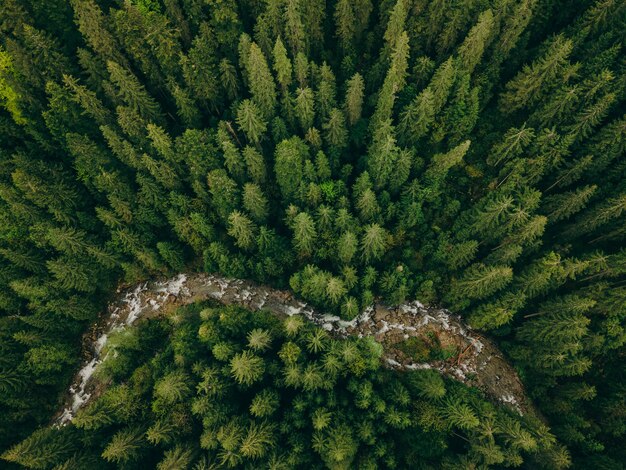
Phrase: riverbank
[405,331]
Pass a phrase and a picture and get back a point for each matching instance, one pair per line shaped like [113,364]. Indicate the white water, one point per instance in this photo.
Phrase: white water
[135,306]
[407,318]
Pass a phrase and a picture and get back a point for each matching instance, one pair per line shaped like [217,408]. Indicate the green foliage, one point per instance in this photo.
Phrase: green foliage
[291,394]
[467,153]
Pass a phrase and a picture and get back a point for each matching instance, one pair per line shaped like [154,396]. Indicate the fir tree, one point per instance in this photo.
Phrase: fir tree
[353,104]
[261,82]
[255,202]
[250,120]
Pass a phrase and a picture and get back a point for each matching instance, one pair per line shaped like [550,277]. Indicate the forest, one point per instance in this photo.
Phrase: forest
[469,154]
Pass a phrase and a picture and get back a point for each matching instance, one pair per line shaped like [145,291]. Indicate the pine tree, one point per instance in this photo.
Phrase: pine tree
[459,415]
[92,24]
[514,25]
[590,117]
[161,432]
[442,82]
[261,82]
[325,94]
[265,403]
[383,154]
[282,65]
[562,206]
[124,447]
[250,121]
[417,118]
[477,40]
[335,289]
[305,107]
[304,234]
[172,254]
[225,193]
[255,166]
[395,27]
[259,339]
[40,450]
[480,281]
[336,132]
[258,440]
[289,166]
[345,24]
[88,100]
[373,242]
[172,388]
[429,384]
[497,313]
[441,163]
[246,368]
[353,104]
[255,202]
[513,143]
[598,216]
[229,78]
[347,247]
[394,80]
[534,80]
[133,93]
[241,229]
[187,110]
[199,66]
[294,28]
[178,457]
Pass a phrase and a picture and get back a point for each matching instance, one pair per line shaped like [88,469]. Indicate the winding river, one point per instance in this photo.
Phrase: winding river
[476,360]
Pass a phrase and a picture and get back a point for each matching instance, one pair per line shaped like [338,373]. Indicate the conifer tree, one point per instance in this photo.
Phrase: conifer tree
[353,104]
[135,139]
[282,65]
[336,132]
[304,233]
[255,165]
[124,447]
[229,78]
[395,26]
[480,281]
[373,242]
[250,120]
[133,93]
[394,80]
[305,107]
[92,24]
[531,83]
[261,82]
[325,94]
[441,163]
[383,154]
[246,368]
[345,21]
[598,216]
[562,206]
[289,166]
[241,229]
[472,49]
[255,202]
[294,27]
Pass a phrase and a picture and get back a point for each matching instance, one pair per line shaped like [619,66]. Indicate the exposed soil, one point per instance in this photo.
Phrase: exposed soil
[407,332]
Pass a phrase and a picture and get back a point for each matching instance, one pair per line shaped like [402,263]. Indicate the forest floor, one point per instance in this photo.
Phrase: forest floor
[413,336]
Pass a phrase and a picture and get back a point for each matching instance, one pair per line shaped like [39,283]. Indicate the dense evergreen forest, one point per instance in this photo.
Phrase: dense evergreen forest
[465,153]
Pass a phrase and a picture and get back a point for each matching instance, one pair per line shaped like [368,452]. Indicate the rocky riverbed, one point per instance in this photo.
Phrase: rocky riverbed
[407,332]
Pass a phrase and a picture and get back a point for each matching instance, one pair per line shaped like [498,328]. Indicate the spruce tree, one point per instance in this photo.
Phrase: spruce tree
[251,121]
[261,82]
